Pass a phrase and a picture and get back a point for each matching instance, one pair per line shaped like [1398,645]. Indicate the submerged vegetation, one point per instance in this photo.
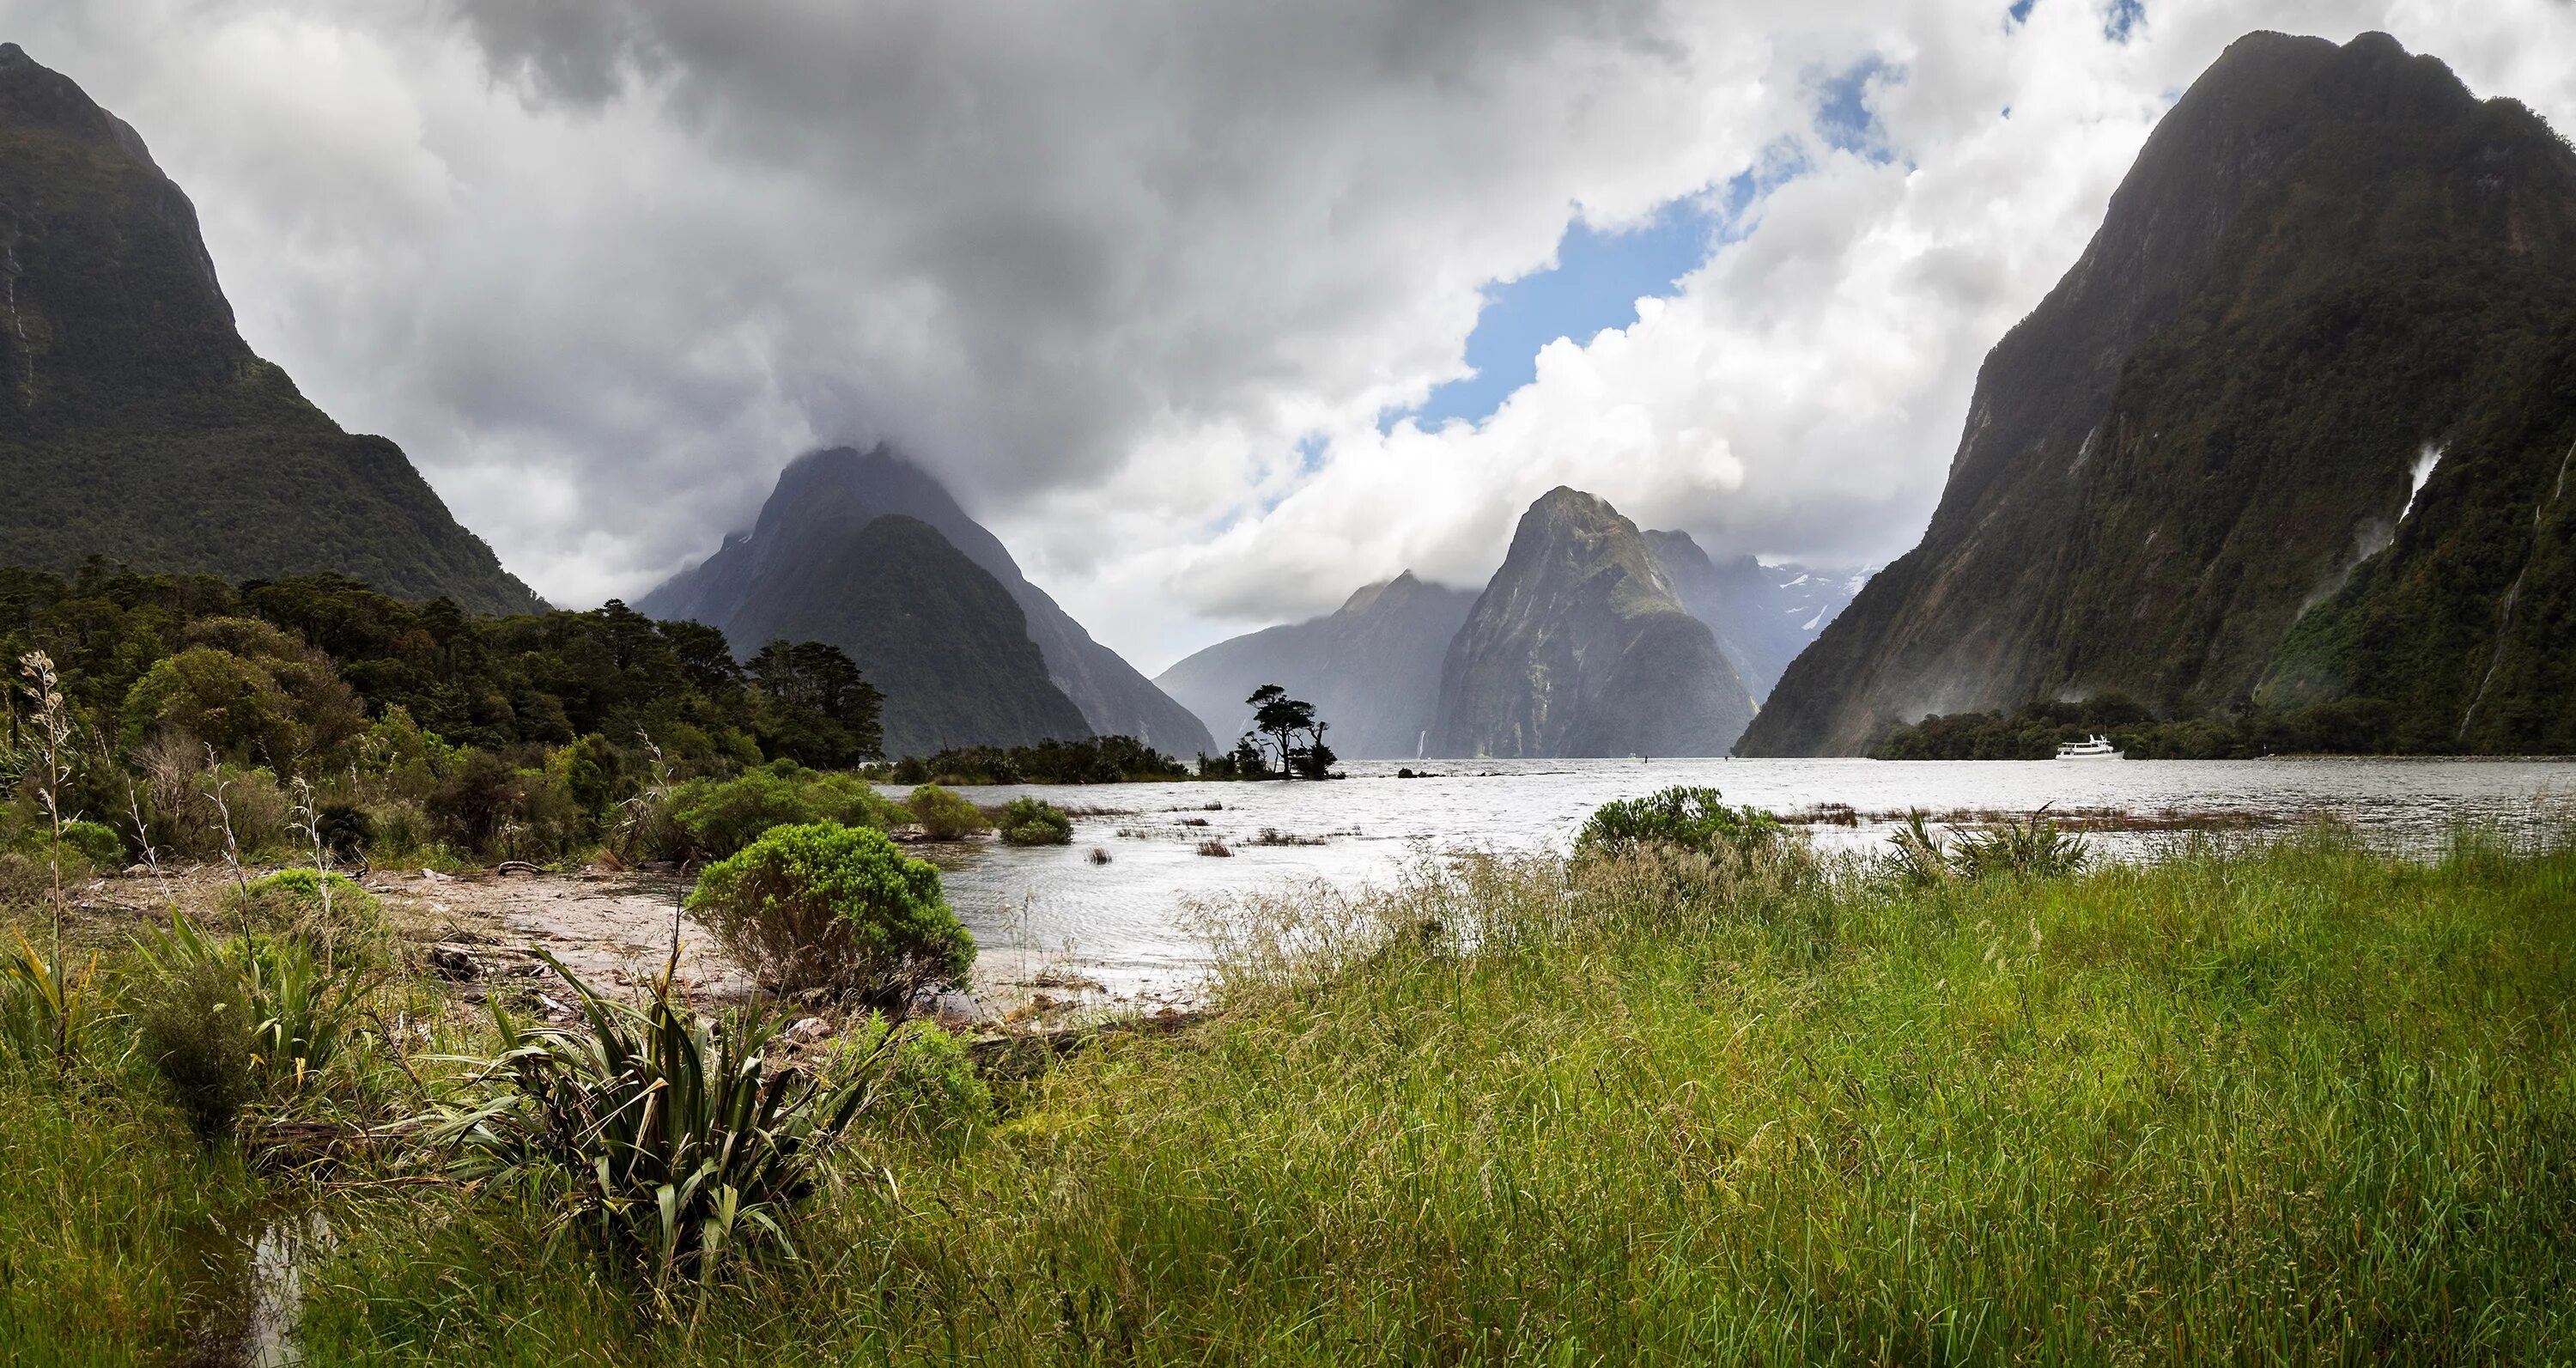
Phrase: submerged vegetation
[1698,1094]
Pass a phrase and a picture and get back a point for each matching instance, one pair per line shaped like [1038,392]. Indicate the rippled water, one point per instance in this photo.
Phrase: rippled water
[1119,921]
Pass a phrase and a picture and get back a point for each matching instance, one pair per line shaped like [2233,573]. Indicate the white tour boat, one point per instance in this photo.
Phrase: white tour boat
[2094,748]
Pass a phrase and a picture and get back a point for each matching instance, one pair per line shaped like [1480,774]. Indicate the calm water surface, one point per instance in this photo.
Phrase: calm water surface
[1119,922]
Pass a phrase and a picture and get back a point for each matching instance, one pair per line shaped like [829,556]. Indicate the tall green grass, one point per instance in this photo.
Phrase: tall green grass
[116,1229]
[2293,1103]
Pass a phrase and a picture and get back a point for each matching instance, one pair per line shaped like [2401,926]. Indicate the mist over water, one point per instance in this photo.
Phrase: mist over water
[1120,922]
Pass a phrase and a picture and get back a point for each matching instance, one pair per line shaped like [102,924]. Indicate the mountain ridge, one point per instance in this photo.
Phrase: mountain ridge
[136,424]
[1371,667]
[2187,476]
[1115,699]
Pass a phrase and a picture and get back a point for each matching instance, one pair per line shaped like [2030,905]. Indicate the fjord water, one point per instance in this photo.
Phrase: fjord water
[1121,923]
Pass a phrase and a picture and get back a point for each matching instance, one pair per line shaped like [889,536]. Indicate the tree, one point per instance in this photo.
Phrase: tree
[831,715]
[1279,718]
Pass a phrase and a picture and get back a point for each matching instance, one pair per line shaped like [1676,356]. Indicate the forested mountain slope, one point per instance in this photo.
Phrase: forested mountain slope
[854,486]
[137,425]
[2192,475]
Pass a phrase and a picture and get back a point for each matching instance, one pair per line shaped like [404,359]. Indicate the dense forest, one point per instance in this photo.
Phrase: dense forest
[2344,727]
[194,704]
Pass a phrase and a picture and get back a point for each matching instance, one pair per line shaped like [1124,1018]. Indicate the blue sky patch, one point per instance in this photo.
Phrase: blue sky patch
[2020,10]
[1595,284]
[1843,119]
[2123,16]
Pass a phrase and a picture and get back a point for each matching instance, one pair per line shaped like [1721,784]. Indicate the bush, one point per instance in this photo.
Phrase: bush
[1694,819]
[716,817]
[96,843]
[230,1023]
[1034,821]
[24,882]
[709,818]
[931,1089]
[289,902]
[2026,848]
[654,1135]
[834,907]
[490,807]
[345,830]
[190,1020]
[944,815]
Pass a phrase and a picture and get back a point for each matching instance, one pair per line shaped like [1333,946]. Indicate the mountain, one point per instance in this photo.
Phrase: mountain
[2293,433]
[1579,647]
[1115,700]
[1371,668]
[938,636]
[1763,615]
[134,421]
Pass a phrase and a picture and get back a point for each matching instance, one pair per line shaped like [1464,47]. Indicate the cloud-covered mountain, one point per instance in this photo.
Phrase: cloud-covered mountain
[1371,667]
[1579,647]
[137,425]
[761,579]
[1763,615]
[2295,430]
[1150,316]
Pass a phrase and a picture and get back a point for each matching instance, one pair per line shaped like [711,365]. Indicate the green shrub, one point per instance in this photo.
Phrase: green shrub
[834,907]
[716,817]
[24,881]
[345,830]
[1034,821]
[2022,848]
[96,843]
[655,1136]
[852,801]
[228,1023]
[351,925]
[191,1023]
[944,815]
[1695,819]
[926,1085]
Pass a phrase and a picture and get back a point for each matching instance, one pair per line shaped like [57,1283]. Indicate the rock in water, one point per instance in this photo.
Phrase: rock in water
[1578,647]
[2294,431]
[134,421]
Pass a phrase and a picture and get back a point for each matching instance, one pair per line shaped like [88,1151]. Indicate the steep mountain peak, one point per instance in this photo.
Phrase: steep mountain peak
[121,370]
[2323,259]
[1579,646]
[826,497]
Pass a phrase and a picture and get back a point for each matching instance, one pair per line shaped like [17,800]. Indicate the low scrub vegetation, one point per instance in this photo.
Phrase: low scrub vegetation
[1034,821]
[663,1141]
[1695,1095]
[834,908]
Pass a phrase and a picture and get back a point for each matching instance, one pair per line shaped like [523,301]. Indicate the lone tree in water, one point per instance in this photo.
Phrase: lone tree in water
[1283,720]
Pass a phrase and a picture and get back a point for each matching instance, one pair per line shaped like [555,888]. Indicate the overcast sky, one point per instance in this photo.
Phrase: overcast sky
[1181,297]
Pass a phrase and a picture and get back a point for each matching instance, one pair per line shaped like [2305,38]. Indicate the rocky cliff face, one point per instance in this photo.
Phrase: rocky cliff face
[1763,615]
[1371,667]
[851,487]
[1578,647]
[134,421]
[2192,474]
